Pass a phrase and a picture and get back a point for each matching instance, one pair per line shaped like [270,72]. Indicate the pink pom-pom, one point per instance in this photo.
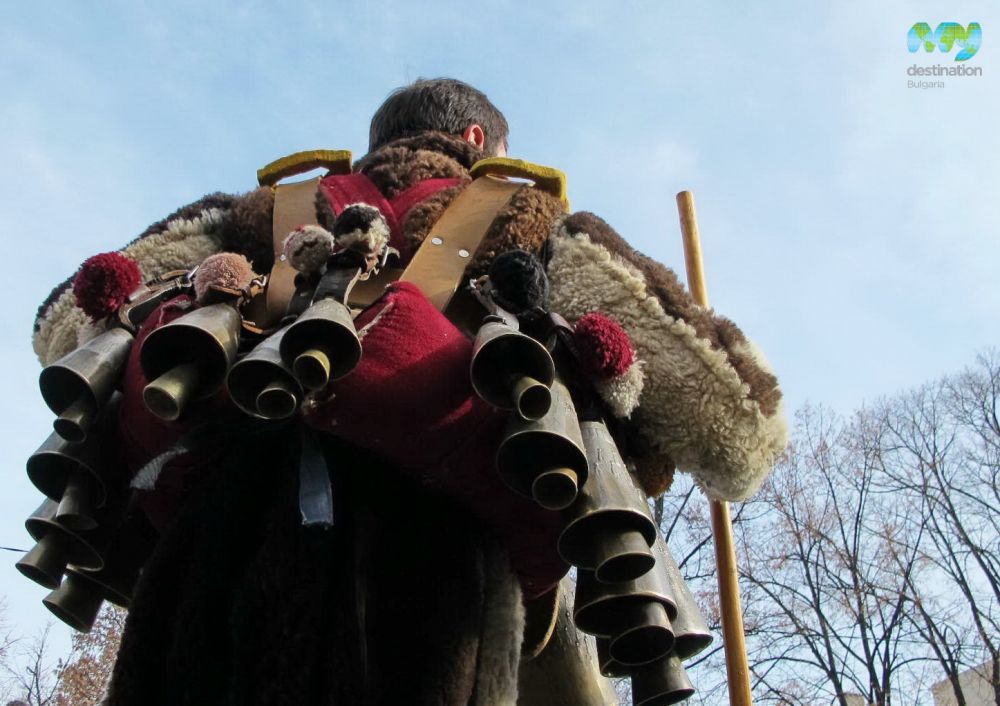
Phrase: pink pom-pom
[104,283]
[224,269]
[604,346]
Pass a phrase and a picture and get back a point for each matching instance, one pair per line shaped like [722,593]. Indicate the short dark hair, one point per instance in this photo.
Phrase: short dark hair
[443,104]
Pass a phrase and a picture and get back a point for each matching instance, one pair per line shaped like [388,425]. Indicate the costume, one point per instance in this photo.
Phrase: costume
[415,593]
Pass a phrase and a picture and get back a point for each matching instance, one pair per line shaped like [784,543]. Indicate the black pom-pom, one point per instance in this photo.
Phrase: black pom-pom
[519,281]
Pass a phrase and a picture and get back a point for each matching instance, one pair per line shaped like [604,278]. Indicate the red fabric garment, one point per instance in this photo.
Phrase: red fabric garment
[342,190]
[411,401]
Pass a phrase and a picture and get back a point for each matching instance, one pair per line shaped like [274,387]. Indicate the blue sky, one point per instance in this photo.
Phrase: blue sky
[850,224]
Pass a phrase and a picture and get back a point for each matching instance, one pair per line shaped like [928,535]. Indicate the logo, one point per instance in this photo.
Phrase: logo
[945,37]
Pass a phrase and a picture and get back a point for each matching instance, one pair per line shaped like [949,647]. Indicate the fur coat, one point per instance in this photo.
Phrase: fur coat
[406,599]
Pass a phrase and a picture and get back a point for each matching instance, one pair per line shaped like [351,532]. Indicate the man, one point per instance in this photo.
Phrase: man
[416,594]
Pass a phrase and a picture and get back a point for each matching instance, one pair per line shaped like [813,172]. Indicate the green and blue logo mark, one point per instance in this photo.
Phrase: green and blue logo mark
[947,36]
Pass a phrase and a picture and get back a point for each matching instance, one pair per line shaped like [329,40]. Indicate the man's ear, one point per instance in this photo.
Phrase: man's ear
[475,135]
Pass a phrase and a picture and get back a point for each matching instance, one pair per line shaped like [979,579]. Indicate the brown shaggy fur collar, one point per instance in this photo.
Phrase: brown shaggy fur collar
[427,155]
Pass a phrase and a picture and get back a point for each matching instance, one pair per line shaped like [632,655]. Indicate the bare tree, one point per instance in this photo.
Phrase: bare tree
[30,676]
[941,454]
[828,590]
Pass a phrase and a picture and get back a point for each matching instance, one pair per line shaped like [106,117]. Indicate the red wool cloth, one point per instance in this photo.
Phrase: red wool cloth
[411,401]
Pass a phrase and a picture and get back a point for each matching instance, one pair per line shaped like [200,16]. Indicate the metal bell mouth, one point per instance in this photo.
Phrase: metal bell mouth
[188,358]
[279,400]
[622,557]
[532,399]
[322,345]
[261,385]
[610,531]
[75,421]
[76,602]
[543,459]
[603,609]
[167,395]
[312,368]
[77,386]
[555,489]
[67,474]
[75,510]
[648,636]
[511,370]
[46,562]
[661,683]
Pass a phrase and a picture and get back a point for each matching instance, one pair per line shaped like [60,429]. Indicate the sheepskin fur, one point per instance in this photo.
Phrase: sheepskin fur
[621,394]
[179,243]
[694,407]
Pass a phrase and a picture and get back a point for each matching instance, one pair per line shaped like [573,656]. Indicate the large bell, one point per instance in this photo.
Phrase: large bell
[610,531]
[79,384]
[511,370]
[188,358]
[565,671]
[76,601]
[55,548]
[544,458]
[68,473]
[661,683]
[635,614]
[262,385]
[658,683]
[691,633]
[322,344]
[127,551]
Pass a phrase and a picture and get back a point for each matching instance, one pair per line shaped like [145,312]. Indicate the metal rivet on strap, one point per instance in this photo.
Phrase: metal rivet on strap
[463,253]
[436,241]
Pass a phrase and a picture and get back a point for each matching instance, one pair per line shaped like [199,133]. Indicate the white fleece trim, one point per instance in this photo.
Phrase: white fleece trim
[693,406]
[182,244]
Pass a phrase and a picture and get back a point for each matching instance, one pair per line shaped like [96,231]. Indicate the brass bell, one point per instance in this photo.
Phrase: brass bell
[661,683]
[691,633]
[511,370]
[67,473]
[606,663]
[262,385]
[658,683]
[635,614]
[127,551]
[188,358]
[55,548]
[77,386]
[76,602]
[322,344]
[610,531]
[544,458]
[565,671]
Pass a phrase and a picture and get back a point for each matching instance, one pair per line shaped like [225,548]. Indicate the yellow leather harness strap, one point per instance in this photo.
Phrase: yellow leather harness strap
[294,206]
[439,264]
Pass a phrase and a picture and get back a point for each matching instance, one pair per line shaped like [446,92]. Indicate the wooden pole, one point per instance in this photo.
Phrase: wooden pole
[733,638]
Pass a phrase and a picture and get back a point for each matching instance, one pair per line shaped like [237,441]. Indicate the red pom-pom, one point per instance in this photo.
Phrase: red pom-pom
[104,283]
[605,349]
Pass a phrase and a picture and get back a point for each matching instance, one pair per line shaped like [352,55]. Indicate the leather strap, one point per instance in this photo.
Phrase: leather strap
[438,266]
[294,206]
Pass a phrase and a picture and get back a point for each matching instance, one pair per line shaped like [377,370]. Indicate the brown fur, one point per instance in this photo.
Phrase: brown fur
[525,223]
[655,474]
[422,217]
[249,228]
[722,333]
[401,164]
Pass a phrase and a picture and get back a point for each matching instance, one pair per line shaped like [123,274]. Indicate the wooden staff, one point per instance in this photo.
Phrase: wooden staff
[733,638]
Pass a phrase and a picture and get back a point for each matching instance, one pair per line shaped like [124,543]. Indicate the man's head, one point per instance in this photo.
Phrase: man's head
[443,104]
